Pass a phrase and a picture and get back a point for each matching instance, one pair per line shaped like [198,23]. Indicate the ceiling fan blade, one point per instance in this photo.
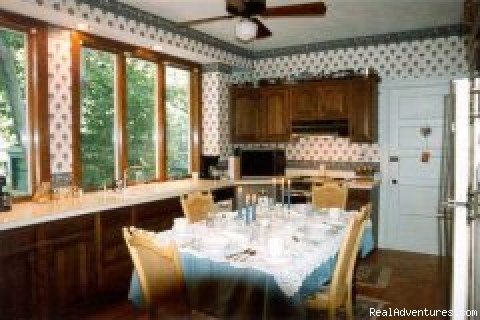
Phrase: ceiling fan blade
[205,20]
[263,31]
[235,6]
[296,10]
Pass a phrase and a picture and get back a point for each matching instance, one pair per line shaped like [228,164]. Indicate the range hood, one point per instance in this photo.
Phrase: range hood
[320,127]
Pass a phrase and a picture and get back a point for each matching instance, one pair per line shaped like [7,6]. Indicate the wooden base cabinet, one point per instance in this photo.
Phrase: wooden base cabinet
[58,268]
[18,276]
[113,263]
[66,255]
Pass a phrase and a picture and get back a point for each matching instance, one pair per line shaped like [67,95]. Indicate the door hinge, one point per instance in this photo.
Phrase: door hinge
[452,203]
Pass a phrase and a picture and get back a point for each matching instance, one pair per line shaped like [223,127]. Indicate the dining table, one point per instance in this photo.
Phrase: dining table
[263,267]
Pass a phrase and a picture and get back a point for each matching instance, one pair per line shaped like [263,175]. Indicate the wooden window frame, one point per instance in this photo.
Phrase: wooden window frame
[37,97]
[82,39]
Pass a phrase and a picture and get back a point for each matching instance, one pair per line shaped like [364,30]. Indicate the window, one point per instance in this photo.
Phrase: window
[97,114]
[177,108]
[141,119]
[134,111]
[14,129]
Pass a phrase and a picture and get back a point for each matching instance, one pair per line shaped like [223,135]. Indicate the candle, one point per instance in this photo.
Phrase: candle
[239,204]
[248,208]
[254,207]
[274,184]
[289,195]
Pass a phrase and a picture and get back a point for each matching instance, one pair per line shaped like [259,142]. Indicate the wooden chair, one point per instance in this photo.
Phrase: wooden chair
[339,292]
[329,195]
[366,211]
[160,275]
[197,205]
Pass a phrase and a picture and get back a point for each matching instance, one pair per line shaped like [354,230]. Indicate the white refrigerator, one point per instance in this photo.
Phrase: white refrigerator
[460,193]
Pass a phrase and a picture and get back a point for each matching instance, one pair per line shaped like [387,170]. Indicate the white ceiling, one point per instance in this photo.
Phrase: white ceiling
[344,18]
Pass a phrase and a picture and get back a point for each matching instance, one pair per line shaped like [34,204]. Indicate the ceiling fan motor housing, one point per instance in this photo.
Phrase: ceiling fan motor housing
[246,8]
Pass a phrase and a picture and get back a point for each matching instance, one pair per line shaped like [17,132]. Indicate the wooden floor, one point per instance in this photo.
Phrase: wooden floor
[418,281]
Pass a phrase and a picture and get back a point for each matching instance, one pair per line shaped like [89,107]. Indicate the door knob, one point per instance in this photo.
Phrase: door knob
[394,181]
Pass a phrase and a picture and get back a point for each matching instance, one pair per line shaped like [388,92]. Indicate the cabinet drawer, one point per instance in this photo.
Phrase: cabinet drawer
[158,215]
[16,240]
[68,227]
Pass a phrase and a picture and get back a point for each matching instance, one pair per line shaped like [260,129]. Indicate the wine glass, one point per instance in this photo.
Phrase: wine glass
[214,172]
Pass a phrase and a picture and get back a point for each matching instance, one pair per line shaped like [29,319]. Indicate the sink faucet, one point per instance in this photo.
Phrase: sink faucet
[125,174]
[125,177]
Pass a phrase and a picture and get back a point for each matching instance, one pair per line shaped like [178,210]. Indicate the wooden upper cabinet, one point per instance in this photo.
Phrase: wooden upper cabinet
[363,119]
[265,114]
[274,115]
[259,114]
[303,102]
[244,111]
[332,99]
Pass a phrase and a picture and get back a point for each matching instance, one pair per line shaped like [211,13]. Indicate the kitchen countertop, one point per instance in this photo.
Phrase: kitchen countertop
[30,213]
[353,183]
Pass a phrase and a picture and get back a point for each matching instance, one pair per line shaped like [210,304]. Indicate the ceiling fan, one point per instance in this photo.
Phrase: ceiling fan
[250,27]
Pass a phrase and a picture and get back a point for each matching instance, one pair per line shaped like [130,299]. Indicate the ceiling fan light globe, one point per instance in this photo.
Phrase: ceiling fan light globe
[246,30]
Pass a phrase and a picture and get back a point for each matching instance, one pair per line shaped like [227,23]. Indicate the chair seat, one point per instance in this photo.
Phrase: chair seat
[197,315]
[319,300]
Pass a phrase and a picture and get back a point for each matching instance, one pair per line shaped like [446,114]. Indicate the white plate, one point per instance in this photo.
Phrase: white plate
[336,223]
[278,260]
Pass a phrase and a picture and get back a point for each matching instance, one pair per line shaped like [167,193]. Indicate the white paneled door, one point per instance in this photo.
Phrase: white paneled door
[415,112]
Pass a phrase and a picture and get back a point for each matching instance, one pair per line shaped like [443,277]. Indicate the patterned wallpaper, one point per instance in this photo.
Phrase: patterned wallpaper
[60,101]
[139,27]
[215,113]
[427,58]
[434,57]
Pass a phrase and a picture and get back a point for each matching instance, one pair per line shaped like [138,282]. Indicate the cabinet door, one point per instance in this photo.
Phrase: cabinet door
[18,276]
[114,265]
[70,260]
[303,102]
[244,108]
[333,100]
[363,110]
[274,124]
[158,215]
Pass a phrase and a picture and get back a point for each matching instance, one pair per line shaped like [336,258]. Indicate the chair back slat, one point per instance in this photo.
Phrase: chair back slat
[329,195]
[197,205]
[341,279]
[366,211]
[158,266]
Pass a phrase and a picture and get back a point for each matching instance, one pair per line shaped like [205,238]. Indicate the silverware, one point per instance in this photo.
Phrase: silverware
[242,255]
[233,255]
[249,253]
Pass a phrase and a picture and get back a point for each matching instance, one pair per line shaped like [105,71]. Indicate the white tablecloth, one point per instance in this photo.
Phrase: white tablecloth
[309,241]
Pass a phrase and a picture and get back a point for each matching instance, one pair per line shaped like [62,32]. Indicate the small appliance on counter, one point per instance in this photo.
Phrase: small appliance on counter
[234,168]
[5,197]
[206,165]
[262,163]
